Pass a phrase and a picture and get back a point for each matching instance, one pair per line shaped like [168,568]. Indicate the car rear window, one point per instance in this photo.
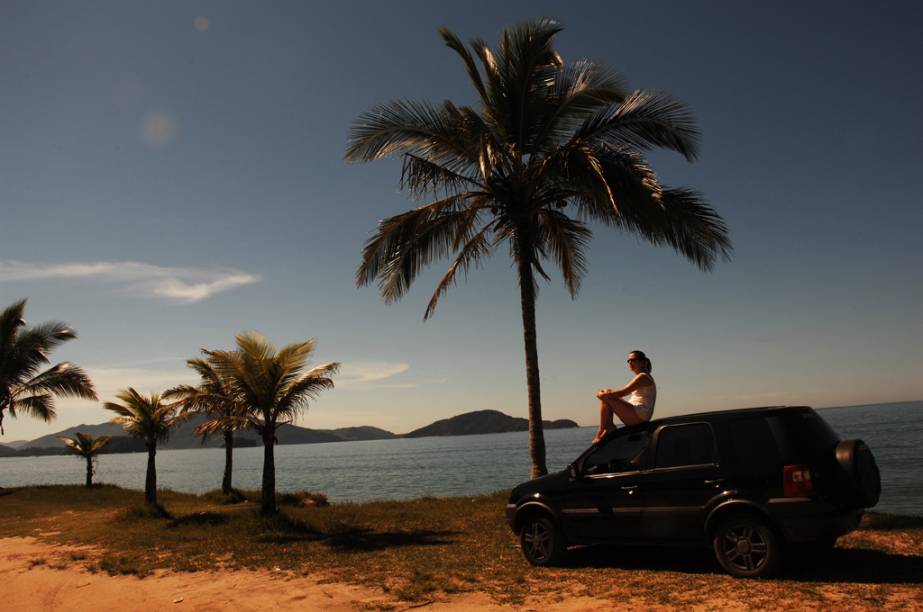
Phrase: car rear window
[692,444]
[802,436]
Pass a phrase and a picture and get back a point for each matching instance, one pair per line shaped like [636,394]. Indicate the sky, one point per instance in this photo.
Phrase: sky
[172,173]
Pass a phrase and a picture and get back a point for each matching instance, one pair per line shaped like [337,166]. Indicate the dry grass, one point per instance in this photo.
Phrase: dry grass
[432,546]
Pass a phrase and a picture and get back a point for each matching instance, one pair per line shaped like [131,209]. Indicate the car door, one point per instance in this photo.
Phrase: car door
[685,475]
[606,498]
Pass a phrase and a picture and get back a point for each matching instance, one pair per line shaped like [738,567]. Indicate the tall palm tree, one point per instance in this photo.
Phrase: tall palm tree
[275,388]
[87,447]
[549,147]
[213,398]
[24,386]
[151,419]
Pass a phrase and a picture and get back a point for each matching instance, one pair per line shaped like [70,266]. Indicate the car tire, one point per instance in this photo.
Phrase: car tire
[746,546]
[542,541]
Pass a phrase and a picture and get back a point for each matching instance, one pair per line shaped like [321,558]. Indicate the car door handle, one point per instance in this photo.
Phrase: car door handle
[631,490]
[715,482]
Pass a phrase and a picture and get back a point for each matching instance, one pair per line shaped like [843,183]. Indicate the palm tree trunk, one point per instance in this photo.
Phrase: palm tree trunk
[89,472]
[228,462]
[536,433]
[150,482]
[268,505]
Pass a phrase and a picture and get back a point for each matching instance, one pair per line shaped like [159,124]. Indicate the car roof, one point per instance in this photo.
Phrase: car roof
[723,414]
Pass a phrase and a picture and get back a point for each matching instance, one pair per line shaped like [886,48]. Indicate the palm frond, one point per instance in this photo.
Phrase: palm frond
[565,241]
[63,379]
[421,176]
[644,120]
[11,320]
[40,406]
[408,242]
[437,134]
[477,248]
[453,42]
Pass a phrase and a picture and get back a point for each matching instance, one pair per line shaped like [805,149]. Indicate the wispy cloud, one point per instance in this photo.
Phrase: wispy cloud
[377,375]
[134,278]
[358,374]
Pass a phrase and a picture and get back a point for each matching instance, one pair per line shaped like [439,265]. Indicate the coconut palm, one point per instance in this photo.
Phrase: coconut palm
[150,418]
[275,387]
[24,386]
[548,148]
[87,447]
[213,398]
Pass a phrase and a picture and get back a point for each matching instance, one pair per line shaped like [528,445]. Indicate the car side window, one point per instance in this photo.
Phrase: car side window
[620,453]
[679,445]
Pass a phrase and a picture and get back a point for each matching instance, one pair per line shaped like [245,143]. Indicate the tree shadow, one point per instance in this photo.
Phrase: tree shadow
[198,519]
[837,565]
[282,528]
[360,539]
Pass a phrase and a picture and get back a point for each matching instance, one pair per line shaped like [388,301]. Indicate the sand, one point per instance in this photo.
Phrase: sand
[38,576]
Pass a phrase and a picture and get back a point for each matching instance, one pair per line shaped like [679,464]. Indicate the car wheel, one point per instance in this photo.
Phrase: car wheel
[542,542]
[746,546]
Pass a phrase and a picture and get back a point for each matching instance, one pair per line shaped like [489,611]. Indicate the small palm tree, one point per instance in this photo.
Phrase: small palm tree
[548,147]
[24,387]
[87,447]
[275,387]
[213,398]
[151,419]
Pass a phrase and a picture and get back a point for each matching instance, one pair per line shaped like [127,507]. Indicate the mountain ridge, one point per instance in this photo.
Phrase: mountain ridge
[184,437]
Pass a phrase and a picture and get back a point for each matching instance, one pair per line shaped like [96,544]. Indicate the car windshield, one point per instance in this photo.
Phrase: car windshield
[621,452]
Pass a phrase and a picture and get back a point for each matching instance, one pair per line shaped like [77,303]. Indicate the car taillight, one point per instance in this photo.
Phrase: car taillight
[796,481]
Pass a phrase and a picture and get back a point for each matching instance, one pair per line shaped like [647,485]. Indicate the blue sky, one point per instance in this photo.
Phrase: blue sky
[171,173]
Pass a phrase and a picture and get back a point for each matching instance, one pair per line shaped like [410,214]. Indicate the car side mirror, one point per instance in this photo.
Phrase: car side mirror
[574,472]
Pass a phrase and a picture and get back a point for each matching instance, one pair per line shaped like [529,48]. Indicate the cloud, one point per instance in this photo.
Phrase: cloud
[184,285]
[108,381]
[158,129]
[377,375]
[362,374]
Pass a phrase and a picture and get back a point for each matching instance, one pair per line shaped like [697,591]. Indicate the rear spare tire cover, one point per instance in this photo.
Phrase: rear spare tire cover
[860,477]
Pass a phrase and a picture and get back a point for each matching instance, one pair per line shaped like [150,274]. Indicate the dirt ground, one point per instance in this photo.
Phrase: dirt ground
[39,576]
[36,576]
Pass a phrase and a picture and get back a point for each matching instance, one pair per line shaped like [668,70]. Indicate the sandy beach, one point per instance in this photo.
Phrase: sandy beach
[39,576]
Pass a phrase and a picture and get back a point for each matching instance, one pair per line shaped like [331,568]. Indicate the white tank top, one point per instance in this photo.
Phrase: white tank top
[644,397]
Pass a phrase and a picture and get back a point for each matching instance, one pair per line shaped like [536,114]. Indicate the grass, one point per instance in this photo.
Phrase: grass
[425,548]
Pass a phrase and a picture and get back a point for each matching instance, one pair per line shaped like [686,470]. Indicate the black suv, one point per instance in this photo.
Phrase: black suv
[749,483]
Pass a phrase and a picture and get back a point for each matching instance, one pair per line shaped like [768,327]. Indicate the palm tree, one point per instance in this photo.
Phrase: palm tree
[87,447]
[151,419]
[275,388]
[214,399]
[23,354]
[549,147]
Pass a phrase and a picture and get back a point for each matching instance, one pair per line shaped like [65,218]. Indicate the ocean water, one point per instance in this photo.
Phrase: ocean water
[450,466]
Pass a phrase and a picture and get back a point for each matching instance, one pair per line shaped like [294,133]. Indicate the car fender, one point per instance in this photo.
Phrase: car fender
[534,506]
[733,504]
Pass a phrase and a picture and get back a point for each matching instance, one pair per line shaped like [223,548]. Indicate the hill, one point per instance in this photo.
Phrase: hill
[482,422]
[184,436]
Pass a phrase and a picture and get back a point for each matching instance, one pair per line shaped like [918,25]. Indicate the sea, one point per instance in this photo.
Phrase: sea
[407,468]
